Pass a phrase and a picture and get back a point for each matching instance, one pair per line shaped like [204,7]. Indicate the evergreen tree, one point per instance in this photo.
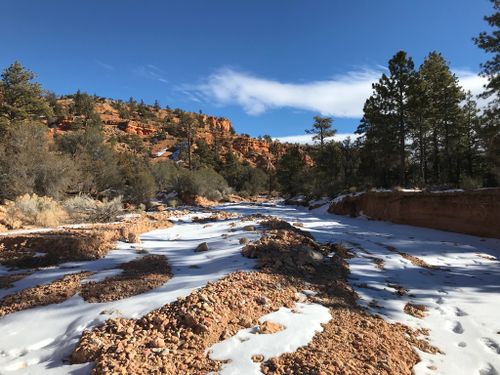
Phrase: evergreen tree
[420,129]
[144,111]
[443,111]
[157,105]
[322,129]
[188,128]
[20,98]
[232,170]
[132,105]
[490,42]
[83,104]
[327,170]
[470,145]
[385,122]
[490,132]
[292,172]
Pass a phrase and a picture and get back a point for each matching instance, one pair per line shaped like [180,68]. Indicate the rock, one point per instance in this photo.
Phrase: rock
[244,240]
[270,327]
[249,228]
[133,238]
[261,300]
[257,358]
[157,343]
[201,247]
[306,255]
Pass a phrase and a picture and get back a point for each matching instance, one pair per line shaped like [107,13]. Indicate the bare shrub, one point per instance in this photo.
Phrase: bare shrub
[33,210]
[83,208]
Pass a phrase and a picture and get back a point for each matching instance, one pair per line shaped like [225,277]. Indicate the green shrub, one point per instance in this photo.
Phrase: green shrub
[204,182]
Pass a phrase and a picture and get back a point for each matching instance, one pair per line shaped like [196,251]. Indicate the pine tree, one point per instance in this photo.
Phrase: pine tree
[292,172]
[490,132]
[322,129]
[132,105]
[490,42]
[419,128]
[470,137]
[188,128]
[385,123]
[83,104]
[444,95]
[20,98]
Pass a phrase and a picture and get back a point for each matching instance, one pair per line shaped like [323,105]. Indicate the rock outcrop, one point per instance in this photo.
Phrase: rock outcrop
[158,132]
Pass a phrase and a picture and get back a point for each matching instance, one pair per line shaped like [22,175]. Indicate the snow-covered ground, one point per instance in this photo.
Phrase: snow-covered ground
[39,340]
[462,292]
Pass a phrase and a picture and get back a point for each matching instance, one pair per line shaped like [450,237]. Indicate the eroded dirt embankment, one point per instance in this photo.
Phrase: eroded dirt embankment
[471,212]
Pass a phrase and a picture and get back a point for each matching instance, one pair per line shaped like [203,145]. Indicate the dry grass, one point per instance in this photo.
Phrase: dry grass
[32,210]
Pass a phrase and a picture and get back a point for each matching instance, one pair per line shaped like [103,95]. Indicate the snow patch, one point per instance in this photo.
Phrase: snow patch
[300,325]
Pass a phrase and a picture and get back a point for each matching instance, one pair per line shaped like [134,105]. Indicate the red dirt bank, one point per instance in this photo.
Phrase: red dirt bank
[474,212]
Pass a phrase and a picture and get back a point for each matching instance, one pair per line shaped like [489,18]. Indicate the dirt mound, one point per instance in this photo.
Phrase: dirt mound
[173,339]
[474,212]
[274,223]
[216,216]
[55,292]
[139,276]
[44,249]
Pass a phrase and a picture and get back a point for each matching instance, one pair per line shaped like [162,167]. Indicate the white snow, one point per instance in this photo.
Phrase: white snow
[39,340]
[462,294]
[161,152]
[448,191]
[300,325]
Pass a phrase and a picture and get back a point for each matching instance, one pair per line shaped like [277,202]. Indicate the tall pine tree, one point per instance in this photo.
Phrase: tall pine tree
[385,123]
[490,132]
[443,112]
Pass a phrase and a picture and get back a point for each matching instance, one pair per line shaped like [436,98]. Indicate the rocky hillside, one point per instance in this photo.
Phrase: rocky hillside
[162,131]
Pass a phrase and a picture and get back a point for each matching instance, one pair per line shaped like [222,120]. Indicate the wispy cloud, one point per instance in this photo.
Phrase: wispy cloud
[340,96]
[104,65]
[150,71]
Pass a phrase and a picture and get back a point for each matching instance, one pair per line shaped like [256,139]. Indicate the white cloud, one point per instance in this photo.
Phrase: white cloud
[341,96]
[307,138]
[471,81]
[104,65]
[150,71]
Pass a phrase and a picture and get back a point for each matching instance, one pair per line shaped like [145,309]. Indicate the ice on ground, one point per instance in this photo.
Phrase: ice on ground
[300,325]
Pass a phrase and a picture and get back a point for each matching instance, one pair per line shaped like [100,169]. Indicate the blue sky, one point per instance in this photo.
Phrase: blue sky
[268,65]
